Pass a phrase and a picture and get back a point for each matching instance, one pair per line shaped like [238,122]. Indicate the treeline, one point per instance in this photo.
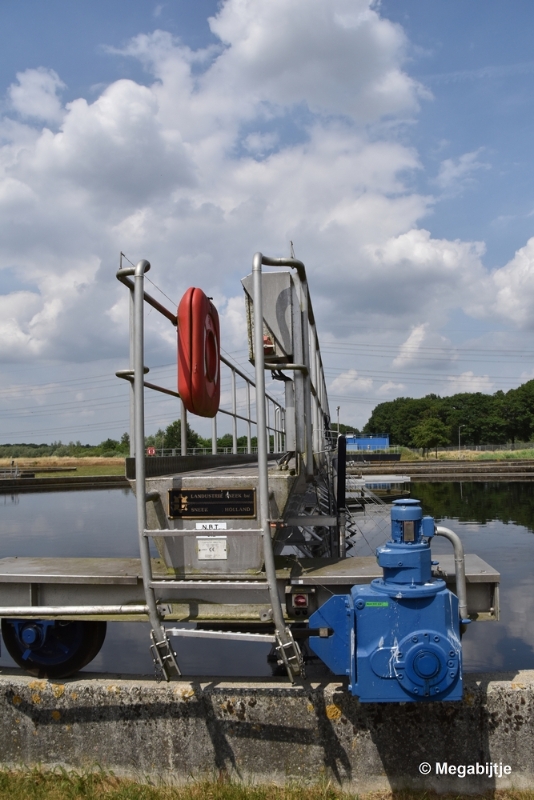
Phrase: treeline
[168,438]
[108,448]
[172,437]
[433,421]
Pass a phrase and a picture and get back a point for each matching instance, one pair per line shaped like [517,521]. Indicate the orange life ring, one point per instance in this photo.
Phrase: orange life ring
[199,347]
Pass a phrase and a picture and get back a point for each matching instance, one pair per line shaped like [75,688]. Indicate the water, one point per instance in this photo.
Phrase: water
[103,523]
[494,520]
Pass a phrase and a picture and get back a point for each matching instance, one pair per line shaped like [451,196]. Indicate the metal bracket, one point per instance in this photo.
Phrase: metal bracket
[164,657]
[290,655]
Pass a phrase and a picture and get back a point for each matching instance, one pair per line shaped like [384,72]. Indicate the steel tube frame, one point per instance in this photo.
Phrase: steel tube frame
[263,480]
[70,611]
[459,568]
[159,636]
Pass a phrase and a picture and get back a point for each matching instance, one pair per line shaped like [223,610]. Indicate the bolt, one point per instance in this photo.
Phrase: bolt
[452,674]
[400,676]
[416,691]
[360,604]
[452,653]
[450,663]
[399,564]
[436,638]
[415,639]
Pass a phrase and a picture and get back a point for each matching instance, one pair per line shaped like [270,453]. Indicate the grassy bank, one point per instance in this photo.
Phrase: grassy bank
[61,785]
[92,465]
[469,455]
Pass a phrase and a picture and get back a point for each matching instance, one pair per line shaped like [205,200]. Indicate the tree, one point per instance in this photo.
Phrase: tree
[346,429]
[431,432]
[173,436]
[399,417]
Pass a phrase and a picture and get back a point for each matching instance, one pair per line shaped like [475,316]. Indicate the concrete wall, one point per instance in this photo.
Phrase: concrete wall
[267,731]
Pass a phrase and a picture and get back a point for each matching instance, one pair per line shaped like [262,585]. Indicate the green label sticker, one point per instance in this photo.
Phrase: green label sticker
[377,604]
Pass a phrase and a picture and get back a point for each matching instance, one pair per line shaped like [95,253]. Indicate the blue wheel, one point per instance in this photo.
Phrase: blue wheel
[52,648]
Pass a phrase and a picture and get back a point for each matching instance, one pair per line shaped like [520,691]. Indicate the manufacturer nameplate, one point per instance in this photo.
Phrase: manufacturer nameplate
[212,503]
[212,548]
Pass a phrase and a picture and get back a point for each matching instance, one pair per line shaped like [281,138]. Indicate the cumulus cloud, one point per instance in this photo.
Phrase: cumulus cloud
[456,174]
[469,382]
[390,387]
[272,134]
[513,289]
[409,350]
[35,95]
[349,381]
[337,58]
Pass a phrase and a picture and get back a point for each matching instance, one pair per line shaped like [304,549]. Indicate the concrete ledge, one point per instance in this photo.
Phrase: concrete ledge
[265,731]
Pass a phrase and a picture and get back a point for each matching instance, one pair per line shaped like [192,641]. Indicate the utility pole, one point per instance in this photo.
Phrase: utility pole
[459,440]
[338,419]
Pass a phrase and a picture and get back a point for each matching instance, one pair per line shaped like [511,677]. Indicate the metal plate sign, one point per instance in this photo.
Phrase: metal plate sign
[212,503]
[212,548]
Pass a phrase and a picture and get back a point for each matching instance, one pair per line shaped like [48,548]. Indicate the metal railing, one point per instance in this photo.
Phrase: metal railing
[275,412]
[309,436]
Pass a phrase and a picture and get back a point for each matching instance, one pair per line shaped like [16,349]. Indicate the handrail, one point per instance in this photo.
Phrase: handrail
[311,421]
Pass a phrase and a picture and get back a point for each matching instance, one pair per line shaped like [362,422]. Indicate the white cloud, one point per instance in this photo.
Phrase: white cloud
[337,58]
[389,387]
[456,174]
[513,289]
[409,351]
[349,381]
[35,95]
[196,171]
[469,382]
[233,324]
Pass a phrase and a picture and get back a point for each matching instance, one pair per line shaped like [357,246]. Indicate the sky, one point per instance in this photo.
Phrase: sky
[389,141]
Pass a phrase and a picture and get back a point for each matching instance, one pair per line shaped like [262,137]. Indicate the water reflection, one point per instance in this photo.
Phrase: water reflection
[494,520]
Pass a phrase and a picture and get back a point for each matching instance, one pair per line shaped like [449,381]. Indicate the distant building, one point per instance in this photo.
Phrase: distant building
[368,442]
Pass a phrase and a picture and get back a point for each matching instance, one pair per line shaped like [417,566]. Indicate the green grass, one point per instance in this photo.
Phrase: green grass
[40,784]
[37,784]
[84,471]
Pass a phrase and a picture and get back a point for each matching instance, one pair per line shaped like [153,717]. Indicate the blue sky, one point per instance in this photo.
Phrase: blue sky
[391,142]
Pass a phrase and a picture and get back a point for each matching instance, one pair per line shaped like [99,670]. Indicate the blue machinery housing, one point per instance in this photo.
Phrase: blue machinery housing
[397,639]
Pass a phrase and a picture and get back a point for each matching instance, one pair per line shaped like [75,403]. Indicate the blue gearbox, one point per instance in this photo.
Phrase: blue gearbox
[398,638]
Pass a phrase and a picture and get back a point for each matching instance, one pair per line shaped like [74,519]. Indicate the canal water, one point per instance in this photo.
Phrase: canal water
[494,520]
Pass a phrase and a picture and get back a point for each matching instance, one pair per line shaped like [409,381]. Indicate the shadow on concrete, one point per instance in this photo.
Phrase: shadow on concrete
[252,727]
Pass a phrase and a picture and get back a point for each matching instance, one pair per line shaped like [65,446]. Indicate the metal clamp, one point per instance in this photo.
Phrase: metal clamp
[290,655]
[164,657]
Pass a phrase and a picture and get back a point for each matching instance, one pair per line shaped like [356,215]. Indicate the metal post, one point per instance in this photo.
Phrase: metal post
[214,436]
[161,647]
[183,428]
[132,368]
[459,440]
[267,412]
[249,437]
[234,412]
[283,633]
[306,378]
[314,396]
[341,501]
